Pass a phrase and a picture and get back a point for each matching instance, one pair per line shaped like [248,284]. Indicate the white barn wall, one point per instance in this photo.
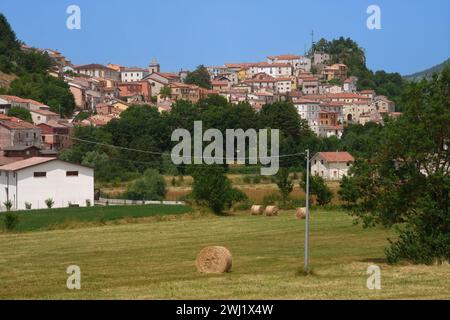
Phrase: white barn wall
[55,185]
[326,170]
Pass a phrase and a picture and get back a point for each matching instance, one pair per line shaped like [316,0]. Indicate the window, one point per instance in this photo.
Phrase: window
[40,174]
[72,174]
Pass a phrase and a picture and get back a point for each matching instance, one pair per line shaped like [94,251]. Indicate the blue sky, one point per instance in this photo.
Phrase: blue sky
[185,33]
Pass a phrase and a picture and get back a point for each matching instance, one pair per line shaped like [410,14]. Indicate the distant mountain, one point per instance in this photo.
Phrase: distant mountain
[427,73]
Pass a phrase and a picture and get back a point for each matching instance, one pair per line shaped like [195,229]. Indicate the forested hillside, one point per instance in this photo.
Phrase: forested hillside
[348,52]
[24,73]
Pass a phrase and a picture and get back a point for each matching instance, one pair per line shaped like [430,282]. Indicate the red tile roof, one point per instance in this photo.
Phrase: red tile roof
[284,57]
[337,156]
[19,165]
[44,112]
[15,123]
[270,65]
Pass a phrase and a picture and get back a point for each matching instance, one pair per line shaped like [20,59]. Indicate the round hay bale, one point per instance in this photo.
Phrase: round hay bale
[271,211]
[300,213]
[257,210]
[214,260]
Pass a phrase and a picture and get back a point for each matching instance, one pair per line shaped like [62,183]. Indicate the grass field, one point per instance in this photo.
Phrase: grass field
[33,220]
[156,260]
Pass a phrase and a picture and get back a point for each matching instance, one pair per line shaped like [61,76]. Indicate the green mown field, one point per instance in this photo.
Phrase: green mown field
[156,260]
[34,220]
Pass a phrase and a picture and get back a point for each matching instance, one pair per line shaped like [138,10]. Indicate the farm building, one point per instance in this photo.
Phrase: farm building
[37,179]
[331,165]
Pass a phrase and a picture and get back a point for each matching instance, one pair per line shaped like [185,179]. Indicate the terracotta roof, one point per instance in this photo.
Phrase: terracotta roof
[337,156]
[300,101]
[344,95]
[7,160]
[44,112]
[284,57]
[13,98]
[167,75]
[21,100]
[19,165]
[239,65]
[93,66]
[135,69]
[219,83]
[271,65]
[17,124]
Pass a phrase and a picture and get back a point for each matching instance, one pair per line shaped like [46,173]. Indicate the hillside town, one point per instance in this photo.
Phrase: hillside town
[324,94]
[207,158]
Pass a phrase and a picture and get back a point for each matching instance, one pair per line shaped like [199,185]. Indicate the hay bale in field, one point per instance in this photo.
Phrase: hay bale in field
[300,213]
[214,260]
[271,211]
[257,210]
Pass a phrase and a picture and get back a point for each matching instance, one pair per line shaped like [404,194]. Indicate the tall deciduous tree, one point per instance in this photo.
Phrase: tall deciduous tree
[284,183]
[199,77]
[406,181]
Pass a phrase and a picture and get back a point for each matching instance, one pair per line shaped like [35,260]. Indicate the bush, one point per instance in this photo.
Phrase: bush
[11,221]
[49,202]
[28,205]
[8,204]
[236,195]
[212,187]
[276,199]
[272,199]
[318,188]
[88,203]
[243,206]
[151,186]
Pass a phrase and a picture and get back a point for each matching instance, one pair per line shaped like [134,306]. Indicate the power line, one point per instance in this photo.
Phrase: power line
[166,154]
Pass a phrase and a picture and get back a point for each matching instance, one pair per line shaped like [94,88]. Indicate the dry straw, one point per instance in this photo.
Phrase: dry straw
[271,211]
[257,210]
[301,213]
[214,260]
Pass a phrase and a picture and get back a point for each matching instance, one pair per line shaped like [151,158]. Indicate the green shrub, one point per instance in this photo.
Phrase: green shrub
[317,187]
[88,203]
[213,188]
[243,206]
[8,204]
[272,199]
[28,205]
[11,221]
[151,186]
[49,203]
[257,179]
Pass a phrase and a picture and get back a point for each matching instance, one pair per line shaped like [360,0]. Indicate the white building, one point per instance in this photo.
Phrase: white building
[275,70]
[309,110]
[43,116]
[133,74]
[331,165]
[297,62]
[36,179]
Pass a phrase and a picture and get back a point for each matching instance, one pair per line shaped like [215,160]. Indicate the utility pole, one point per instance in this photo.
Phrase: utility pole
[307,215]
